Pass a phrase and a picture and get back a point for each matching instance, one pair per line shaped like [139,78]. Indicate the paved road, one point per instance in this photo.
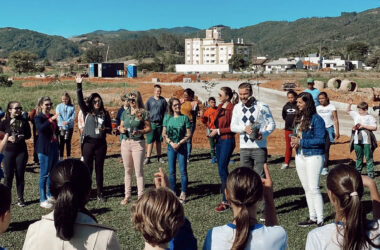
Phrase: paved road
[275,99]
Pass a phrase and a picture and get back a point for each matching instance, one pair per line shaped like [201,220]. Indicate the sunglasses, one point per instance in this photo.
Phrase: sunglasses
[48,104]
[17,108]
[131,100]
[97,102]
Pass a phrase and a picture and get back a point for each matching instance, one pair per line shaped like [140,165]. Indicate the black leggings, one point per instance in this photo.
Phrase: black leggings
[95,149]
[15,162]
[62,142]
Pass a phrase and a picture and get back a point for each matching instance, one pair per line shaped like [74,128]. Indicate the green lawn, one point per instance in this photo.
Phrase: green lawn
[204,196]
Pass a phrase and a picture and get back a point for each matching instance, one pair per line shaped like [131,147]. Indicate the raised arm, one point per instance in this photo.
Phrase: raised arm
[270,209]
[82,104]
[336,124]
[350,101]
[375,197]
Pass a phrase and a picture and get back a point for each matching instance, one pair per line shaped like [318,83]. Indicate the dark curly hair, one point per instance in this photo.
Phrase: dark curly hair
[303,117]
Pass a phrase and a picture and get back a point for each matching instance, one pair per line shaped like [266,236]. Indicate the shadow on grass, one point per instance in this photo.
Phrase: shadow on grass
[202,190]
[100,211]
[20,226]
[294,204]
[27,203]
[33,169]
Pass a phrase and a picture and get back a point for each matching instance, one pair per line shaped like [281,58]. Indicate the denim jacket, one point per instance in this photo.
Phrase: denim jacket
[313,140]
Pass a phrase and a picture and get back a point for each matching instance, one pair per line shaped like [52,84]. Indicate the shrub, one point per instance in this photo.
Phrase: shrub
[4,82]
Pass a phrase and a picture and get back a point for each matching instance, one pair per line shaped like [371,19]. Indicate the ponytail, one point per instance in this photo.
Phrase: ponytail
[346,186]
[242,229]
[65,212]
[70,184]
[244,190]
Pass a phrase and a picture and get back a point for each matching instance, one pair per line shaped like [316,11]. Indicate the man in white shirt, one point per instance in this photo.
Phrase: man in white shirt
[254,122]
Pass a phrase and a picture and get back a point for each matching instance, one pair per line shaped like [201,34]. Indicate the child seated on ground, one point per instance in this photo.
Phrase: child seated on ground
[159,217]
[244,191]
[363,140]
[208,118]
[351,230]
[5,209]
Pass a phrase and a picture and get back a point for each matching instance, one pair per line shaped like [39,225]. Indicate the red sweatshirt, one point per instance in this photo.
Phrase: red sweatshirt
[223,121]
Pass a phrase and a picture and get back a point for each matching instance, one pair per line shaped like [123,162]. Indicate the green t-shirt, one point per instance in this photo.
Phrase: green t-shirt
[176,127]
[131,123]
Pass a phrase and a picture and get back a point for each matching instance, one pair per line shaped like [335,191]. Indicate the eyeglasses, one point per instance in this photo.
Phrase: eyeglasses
[17,108]
[131,100]
[48,104]
[97,101]
[176,105]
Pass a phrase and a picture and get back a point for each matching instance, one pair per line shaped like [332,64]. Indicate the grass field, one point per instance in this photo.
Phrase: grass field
[203,196]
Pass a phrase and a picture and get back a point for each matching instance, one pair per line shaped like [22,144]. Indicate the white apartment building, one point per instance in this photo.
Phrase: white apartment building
[202,53]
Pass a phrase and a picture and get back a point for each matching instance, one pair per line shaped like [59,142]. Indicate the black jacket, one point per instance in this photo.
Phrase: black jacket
[288,114]
[21,130]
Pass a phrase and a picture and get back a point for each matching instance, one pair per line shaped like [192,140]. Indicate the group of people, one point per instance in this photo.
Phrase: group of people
[311,125]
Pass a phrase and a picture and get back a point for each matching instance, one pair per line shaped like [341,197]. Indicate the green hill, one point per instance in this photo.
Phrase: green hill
[331,35]
[51,47]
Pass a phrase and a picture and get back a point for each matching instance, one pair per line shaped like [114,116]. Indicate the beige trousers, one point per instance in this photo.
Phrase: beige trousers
[133,153]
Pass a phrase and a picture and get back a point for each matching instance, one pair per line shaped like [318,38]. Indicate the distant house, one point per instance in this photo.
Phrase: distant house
[335,64]
[258,64]
[282,65]
[309,65]
[357,64]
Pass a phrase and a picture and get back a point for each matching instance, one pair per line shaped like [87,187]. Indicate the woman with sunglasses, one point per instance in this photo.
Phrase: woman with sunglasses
[47,147]
[225,139]
[176,131]
[16,152]
[97,123]
[134,123]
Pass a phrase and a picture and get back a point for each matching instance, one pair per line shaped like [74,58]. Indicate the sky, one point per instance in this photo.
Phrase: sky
[69,18]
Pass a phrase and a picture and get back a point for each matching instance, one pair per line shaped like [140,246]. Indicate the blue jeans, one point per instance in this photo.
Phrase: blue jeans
[189,143]
[47,162]
[331,133]
[224,149]
[181,156]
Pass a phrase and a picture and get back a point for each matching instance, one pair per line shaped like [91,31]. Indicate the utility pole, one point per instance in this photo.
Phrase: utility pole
[107,52]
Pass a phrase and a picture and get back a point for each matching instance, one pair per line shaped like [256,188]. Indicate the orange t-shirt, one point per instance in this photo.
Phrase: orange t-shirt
[209,117]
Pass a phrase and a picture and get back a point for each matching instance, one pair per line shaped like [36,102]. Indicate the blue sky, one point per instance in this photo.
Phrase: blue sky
[74,17]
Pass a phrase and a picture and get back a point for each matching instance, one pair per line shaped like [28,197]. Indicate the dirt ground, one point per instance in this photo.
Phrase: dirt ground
[276,142]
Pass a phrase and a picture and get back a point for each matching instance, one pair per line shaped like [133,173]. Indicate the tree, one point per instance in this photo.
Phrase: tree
[94,55]
[357,50]
[237,62]
[22,61]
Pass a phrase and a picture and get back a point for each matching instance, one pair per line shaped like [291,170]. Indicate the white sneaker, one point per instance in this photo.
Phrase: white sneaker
[284,166]
[46,204]
[51,200]
[81,158]
[325,171]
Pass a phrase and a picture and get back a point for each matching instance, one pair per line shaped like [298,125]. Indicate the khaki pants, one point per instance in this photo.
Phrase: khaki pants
[133,153]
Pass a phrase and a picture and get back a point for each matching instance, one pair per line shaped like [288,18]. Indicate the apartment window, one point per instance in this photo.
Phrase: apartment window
[207,48]
[213,61]
[230,54]
[207,61]
[212,48]
[212,54]
[188,43]
[221,48]
[221,61]
[188,61]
